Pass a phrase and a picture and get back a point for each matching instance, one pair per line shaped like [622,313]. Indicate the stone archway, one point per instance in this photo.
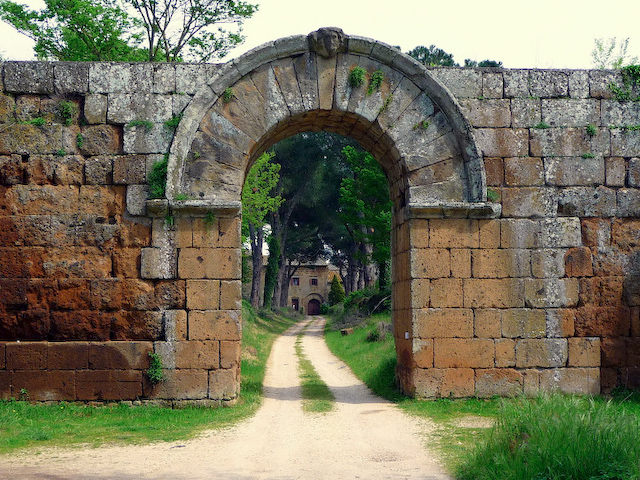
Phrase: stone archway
[411,124]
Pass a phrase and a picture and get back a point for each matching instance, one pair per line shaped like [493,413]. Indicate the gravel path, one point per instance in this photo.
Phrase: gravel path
[364,437]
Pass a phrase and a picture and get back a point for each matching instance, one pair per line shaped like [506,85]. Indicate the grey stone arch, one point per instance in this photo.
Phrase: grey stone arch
[412,125]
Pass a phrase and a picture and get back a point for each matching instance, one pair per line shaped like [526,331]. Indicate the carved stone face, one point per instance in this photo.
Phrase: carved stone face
[326,42]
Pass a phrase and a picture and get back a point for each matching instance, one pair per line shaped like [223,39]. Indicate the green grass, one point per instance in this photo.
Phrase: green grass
[23,425]
[316,396]
[554,437]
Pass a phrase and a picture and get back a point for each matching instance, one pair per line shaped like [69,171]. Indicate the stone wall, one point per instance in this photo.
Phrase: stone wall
[545,296]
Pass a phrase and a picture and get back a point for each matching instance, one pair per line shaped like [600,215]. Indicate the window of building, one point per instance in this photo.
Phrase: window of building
[295,281]
[295,304]
[313,282]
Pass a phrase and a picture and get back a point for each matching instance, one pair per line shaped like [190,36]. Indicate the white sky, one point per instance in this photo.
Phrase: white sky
[521,34]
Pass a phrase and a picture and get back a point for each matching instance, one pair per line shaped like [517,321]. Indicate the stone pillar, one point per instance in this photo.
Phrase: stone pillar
[199,245]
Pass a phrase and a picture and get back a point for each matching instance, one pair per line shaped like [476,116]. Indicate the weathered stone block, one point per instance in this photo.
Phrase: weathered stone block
[44,385]
[444,382]
[430,263]
[120,77]
[463,353]
[486,323]
[214,325]
[108,384]
[29,77]
[542,352]
[570,112]
[583,381]
[223,384]
[453,233]
[525,112]
[584,352]
[492,85]
[523,171]
[505,352]
[137,196]
[560,322]
[551,292]
[516,83]
[156,263]
[579,84]
[203,294]
[587,202]
[611,321]
[628,202]
[494,168]
[501,263]
[422,350]
[443,322]
[101,140]
[548,83]
[119,355]
[140,139]
[213,263]
[523,323]
[505,382]
[493,293]
[26,355]
[197,355]
[80,325]
[164,78]
[494,113]
[231,295]
[578,262]
[183,384]
[548,263]
[503,142]
[68,356]
[569,171]
[229,354]
[461,262]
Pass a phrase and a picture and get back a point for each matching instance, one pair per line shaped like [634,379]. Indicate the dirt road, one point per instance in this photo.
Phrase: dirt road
[364,437]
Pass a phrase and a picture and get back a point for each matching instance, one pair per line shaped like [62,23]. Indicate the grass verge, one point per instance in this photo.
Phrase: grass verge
[550,437]
[23,425]
[316,396]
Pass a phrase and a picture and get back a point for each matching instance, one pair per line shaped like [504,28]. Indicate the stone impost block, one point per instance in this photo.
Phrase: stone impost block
[584,352]
[505,382]
[582,381]
[463,353]
[493,293]
[108,384]
[541,352]
[203,294]
[444,382]
[197,355]
[523,323]
[443,322]
[430,263]
[158,263]
[551,292]
[224,384]
[214,325]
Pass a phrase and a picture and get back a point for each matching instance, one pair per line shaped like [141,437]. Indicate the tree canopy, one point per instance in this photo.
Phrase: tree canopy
[433,56]
[116,30]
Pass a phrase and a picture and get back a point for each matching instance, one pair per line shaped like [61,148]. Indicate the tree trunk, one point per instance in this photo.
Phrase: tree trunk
[256,236]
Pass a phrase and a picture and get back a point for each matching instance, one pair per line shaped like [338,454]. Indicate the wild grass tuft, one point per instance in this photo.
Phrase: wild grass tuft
[558,437]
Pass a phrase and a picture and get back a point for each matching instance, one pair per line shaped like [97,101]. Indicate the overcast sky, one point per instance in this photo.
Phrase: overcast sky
[521,34]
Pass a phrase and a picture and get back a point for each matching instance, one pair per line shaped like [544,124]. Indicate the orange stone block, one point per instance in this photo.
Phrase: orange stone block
[453,233]
[214,325]
[463,353]
[443,322]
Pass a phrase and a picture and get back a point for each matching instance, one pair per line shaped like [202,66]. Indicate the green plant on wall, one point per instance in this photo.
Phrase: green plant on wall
[148,125]
[357,76]
[375,82]
[492,195]
[173,122]
[630,84]
[158,178]
[67,111]
[592,130]
[155,373]
[209,220]
[79,140]
[228,95]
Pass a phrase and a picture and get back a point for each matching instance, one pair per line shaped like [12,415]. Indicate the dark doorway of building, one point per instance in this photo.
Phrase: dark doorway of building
[313,307]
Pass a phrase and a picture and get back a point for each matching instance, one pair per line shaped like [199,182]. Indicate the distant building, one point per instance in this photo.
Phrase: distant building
[309,286]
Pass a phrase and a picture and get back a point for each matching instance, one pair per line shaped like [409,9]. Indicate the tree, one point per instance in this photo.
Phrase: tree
[77,30]
[192,29]
[432,56]
[604,56]
[258,200]
[336,292]
[484,63]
